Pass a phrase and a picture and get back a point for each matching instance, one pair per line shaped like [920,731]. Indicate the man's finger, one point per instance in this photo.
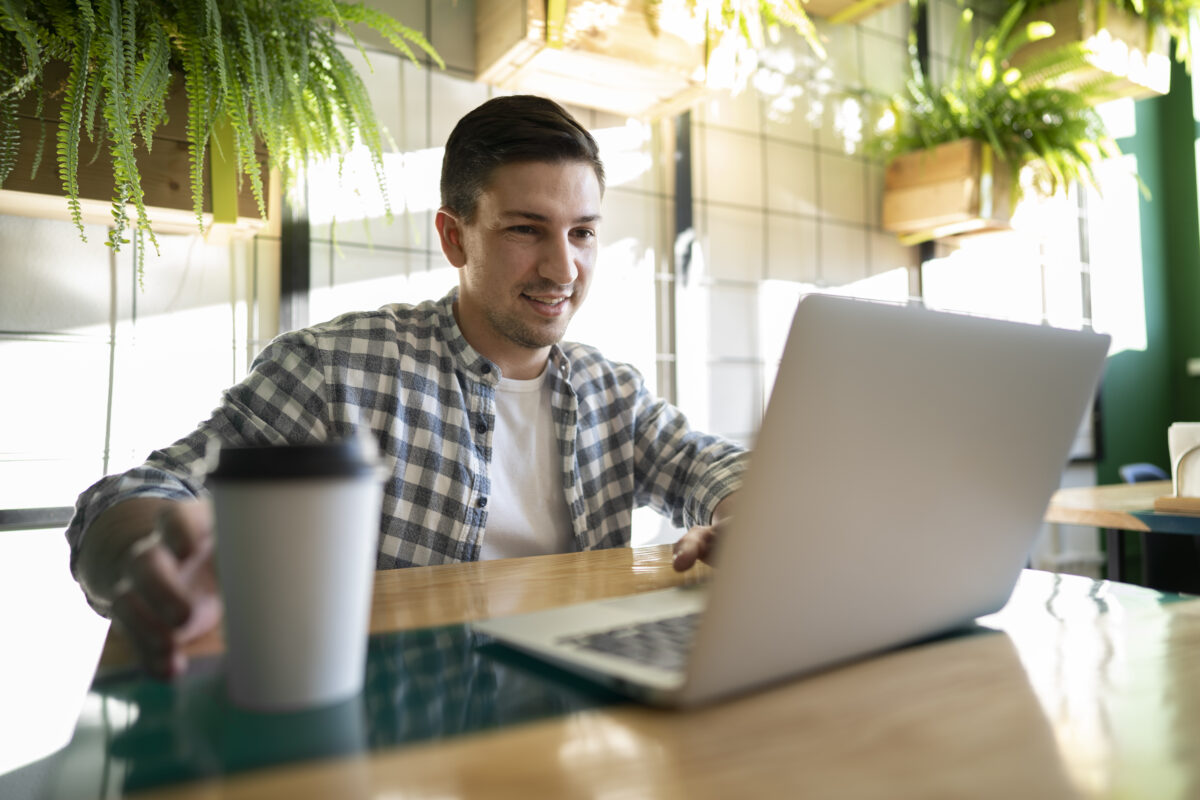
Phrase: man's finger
[685,556]
[688,550]
[698,544]
[155,576]
[152,640]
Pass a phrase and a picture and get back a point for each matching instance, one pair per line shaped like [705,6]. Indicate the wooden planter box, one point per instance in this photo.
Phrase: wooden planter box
[1137,60]
[165,171]
[600,55]
[951,189]
[838,11]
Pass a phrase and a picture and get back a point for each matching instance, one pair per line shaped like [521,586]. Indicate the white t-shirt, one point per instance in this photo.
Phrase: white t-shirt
[527,508]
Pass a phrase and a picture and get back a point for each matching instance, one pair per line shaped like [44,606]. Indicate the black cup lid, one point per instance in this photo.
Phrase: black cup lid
[344,458]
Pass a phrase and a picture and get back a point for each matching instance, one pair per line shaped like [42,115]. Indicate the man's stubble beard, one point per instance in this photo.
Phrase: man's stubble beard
[522,334]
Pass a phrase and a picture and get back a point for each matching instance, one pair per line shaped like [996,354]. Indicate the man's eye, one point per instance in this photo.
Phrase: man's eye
[585,233]
[523,229]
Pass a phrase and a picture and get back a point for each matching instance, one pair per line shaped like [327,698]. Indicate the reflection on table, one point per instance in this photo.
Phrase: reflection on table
[1077,688]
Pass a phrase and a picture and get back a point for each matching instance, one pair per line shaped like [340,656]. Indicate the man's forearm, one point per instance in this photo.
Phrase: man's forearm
[105,544]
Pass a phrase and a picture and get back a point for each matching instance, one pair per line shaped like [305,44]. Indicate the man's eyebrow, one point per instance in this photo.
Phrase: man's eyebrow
[534,216]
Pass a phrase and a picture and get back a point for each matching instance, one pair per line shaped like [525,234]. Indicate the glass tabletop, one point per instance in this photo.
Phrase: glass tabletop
[136,733]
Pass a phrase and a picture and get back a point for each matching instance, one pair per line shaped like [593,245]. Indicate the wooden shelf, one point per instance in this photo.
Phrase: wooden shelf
[610,62]
[164,171]
[1134,60]
[948,190]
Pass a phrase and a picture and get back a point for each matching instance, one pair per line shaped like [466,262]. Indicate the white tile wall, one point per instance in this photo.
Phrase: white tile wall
[842,45]
[264,304]
[629,231]
[819,215]
[874,198]
[793,126]
[179,344]
[885,66]
[734,314]
[409,12]
[433,281]
[843,253]
[892,20]
[791,178]
[944,17]
[732,243]
[180,337]
[380,74]
[413,133]
[887,254]
[360,278]
[450,97]
[632,153]
[792,249]
[622,286]
[452,32]
[733,168]
[740,112]
[735,399]
[842,181]
[51,280]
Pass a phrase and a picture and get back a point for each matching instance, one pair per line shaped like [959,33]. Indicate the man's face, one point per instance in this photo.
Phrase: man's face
[525,260]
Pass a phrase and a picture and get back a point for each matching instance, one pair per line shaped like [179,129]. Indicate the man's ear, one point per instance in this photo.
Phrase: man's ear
[450,233]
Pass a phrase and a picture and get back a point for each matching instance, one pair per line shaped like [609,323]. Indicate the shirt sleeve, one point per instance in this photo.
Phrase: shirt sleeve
[681,473]
[282,400]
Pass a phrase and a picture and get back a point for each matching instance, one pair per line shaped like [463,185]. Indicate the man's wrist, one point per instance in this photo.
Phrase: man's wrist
[117,535]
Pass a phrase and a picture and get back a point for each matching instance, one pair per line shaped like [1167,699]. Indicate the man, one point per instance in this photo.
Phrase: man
[498,440]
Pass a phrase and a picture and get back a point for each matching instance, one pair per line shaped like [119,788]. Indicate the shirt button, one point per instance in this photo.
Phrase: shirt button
[481,427]
[482,502]
[485,369]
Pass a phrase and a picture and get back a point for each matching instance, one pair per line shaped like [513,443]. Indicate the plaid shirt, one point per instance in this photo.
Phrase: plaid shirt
[408,375]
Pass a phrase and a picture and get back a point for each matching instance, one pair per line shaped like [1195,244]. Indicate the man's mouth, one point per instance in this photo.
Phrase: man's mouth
[546,300]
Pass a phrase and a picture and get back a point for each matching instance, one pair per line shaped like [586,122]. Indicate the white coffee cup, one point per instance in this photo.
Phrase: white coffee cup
[1183,439]
[296,530]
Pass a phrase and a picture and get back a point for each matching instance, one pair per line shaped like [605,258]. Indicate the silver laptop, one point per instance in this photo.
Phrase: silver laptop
[894,492]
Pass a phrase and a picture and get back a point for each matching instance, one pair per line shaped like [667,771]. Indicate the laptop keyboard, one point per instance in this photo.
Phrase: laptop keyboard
[663,643]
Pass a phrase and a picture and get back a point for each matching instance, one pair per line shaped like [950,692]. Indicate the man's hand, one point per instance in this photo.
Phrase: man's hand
[700,543]
[152,559]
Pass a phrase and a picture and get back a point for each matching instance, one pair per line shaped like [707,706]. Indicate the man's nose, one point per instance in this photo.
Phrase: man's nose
[558,262]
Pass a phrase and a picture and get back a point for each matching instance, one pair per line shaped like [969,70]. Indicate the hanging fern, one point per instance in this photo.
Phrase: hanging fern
[1018,112]
[272,71]
[73,110]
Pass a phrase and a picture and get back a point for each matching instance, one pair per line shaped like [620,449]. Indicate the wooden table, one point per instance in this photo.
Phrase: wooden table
[1116,508]
[1091,690]
[1106,506]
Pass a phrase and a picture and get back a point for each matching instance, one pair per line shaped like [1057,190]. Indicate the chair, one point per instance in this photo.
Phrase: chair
[1141,472]
[1170,562]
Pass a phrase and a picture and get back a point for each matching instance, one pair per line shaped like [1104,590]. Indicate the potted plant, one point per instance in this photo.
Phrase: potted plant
[247,72]
[641,58]
[955,148]
[1128,41]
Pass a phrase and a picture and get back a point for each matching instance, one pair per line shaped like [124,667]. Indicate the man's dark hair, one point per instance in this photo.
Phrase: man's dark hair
[509,130]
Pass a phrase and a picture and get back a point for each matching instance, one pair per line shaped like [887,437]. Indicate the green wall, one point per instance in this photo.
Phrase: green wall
[1144,392]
